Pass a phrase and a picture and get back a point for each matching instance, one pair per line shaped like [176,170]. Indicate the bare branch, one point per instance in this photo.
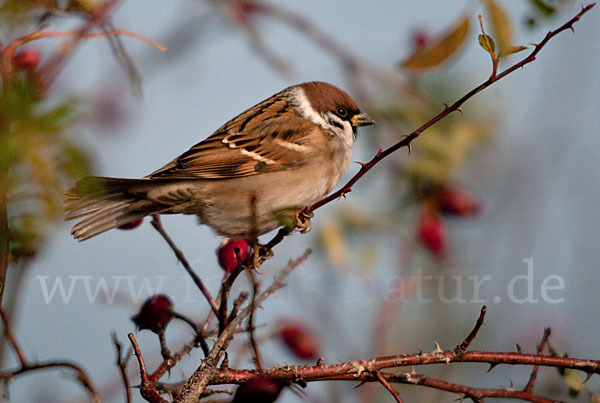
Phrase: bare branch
[156,223]
[540,348]
[121,362]
[146,388]
[462,347]
[387,385]
[207,373]
[12,340]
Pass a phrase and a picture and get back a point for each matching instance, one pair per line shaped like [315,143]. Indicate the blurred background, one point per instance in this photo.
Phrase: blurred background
[496,206]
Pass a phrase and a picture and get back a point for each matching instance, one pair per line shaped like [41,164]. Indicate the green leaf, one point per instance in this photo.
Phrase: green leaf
[484,45]
[437,53]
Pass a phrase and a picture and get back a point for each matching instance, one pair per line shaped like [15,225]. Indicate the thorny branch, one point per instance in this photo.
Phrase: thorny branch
[408,139]
[197,383]
[370,370]
[195,387]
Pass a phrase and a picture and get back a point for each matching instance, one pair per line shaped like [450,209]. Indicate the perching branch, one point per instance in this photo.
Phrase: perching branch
[408,139]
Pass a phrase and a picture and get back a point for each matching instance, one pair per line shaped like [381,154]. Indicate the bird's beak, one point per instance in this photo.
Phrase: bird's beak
[362,119]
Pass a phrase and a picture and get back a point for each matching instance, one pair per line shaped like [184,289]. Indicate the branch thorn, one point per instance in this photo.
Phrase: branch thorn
[492,366]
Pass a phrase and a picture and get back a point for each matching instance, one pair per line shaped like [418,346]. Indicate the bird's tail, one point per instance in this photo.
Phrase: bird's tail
[106,203]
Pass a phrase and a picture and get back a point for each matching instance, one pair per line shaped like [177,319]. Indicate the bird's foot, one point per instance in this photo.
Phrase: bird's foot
[302,218]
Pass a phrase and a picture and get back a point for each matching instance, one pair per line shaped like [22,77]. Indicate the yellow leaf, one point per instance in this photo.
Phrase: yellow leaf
[435,54]
[334,244]
[501,25]
[509,50]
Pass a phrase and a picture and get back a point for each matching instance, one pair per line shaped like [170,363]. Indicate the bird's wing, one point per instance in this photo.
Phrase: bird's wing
[276,144]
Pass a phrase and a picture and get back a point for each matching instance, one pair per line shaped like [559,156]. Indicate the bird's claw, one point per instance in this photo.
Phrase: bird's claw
[303,221]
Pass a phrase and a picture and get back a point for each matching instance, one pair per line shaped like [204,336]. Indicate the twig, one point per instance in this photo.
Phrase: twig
[164,349]
[281,234]
[462,347]
[200,336]
[12,340]
[166,365]
[121,362]
[534,371]
[489,49]
[255,285]
[253,307]
[207,372]
[226,285]
[475,394]
[179,254]
[387,385]
[236,305]
[105,34]
[51,69]
[140,358]
[146,388]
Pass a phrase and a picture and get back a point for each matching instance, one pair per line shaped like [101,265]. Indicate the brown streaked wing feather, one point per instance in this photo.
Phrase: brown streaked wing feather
[277,144]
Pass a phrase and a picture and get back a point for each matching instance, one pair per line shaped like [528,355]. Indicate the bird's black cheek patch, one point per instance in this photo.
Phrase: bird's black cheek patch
[336,124]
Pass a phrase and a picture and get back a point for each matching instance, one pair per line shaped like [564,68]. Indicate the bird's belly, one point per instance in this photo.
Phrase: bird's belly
[234,207]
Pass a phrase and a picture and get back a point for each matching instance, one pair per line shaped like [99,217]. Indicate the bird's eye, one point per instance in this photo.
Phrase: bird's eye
[342,112]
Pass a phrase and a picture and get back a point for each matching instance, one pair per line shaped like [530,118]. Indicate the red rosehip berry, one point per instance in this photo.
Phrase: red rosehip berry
[432,232]
[155,313]
[132,224]
[227,256]
[259,389]
[457,202]
[299,340]
[27,59]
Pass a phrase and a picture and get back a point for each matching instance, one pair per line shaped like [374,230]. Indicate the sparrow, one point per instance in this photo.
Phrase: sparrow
[257,170]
